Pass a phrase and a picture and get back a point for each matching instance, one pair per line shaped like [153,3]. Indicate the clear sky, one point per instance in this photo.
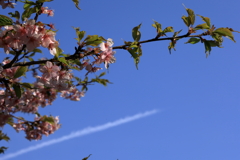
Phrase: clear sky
[197,97]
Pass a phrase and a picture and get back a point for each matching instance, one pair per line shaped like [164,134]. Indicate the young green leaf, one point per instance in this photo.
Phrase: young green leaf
[76,2]
[48,119]
[63,60]
[5,21]
[28,5]
[207,48]
[59,51]
[217,37]
[214,43]
[202,26]
[93,40]
[17,90]
[80,34]
[20,71]
[225,32]
[4,136]
[158,28]
[37,50]
[86,157]
[193,40]
[176,33]
[28,12]
[102,74]
[136,57]
[136,34]
[2,149]
[171,46]
[191,16]
[186,20]
[15,15]
[205,19]
[168,29]
[27,85]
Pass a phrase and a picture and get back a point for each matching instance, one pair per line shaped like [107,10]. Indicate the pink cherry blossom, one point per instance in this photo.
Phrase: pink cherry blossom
[49,70]
[107,54]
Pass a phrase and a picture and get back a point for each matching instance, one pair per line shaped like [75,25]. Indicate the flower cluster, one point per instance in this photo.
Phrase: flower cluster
[43,92]
[7,3]
[107,54]
[45,10]
[41,126]
[30,35]
[54,79]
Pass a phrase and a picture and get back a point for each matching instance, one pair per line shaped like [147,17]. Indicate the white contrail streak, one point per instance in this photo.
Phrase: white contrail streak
[82,132]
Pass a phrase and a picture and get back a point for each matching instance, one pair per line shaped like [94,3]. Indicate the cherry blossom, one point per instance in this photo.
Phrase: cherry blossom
[52,78]
[107,54]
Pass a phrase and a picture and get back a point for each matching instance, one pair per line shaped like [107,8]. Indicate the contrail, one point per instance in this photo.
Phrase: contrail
[80,133]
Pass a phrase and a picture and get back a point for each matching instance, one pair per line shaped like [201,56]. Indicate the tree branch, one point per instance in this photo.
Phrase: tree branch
[76,55]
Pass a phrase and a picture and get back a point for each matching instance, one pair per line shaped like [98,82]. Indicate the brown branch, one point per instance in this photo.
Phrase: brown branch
[79,50]
[38,13]
[160,39]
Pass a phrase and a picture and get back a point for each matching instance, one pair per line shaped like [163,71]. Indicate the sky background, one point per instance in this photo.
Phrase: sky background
[197,97]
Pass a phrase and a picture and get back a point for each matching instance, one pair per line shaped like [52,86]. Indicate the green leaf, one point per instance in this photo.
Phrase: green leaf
[157,26]
[2,149]
[48,119]
[20,71]
[214,43]
[205,19]
[77,62]
[232,30]
[93,43]
[176,33]
[193,40]
[101,81]
[30,59]
[76,2]
[136,57]
[15,15]
[168,29]
[27,85]
[17,90]
[86,157]
[171,46]
[139,50]
[202,26]
[5,21]
[27,5]
[63,60]
[225,32]
[136,34]
[191,16]
[28,12]
[37,50]
[10,121]
[59,51]
[102,74]
[4,136]
[80,34]
[207,48]
[186,20]
[93,40]
[217,37]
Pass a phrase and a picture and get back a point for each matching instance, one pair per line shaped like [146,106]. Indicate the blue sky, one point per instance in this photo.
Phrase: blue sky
[198,97]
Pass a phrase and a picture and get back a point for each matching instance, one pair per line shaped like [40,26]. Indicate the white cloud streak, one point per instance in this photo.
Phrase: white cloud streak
[80,133]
